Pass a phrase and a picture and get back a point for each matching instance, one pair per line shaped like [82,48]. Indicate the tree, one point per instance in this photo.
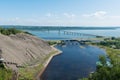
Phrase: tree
[102,59]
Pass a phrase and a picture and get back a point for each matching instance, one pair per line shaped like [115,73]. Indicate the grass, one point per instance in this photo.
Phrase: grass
[51,42]
[113,54]
[30,73]
[5,74]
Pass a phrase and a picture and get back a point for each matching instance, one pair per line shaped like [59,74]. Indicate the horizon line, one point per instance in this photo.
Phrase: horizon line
[59,26]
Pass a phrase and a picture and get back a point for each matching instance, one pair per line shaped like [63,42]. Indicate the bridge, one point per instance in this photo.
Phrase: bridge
[73,35]
[84,36]
[80,34]
[70,33]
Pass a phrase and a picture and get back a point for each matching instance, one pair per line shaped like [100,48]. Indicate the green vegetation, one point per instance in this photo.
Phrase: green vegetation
[54,42]
[111,42]
[105,72]
[9,31]
[102,59]
[29,73]
[5,74]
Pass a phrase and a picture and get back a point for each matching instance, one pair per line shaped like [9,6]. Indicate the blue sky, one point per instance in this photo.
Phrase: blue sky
[60,12]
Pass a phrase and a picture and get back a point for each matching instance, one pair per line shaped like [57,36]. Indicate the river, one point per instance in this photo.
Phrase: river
[75,62]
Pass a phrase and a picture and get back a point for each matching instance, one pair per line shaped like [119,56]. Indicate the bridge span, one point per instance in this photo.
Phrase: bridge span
[81,34]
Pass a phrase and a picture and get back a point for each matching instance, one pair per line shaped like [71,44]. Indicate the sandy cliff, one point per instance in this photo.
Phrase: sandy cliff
[23,49]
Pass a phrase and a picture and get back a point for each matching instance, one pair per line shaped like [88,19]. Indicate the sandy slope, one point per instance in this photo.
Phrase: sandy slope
[23,48]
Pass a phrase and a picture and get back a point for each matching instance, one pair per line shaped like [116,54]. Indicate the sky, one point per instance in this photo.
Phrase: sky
[60,12]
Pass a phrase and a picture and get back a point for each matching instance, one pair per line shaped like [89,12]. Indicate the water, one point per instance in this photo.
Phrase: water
[55,35]
[75,62]
[52,33]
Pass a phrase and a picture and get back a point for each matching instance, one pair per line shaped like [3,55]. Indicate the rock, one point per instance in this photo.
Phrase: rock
[23,49]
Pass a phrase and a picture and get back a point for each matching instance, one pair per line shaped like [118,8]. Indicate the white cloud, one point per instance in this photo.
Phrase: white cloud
[98,14]
[48,14]
[51,15]
[99,18]
[14,19]
[115,17]
[86,15]
[101,15]
[69,15]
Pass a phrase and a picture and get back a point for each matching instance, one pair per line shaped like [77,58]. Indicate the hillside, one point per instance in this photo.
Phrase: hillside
[23,49]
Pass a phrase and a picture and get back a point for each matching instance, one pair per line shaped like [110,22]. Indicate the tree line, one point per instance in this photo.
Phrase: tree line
[8,31]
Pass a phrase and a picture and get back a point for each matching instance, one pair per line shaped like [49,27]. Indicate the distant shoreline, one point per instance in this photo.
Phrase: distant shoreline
[35,28]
